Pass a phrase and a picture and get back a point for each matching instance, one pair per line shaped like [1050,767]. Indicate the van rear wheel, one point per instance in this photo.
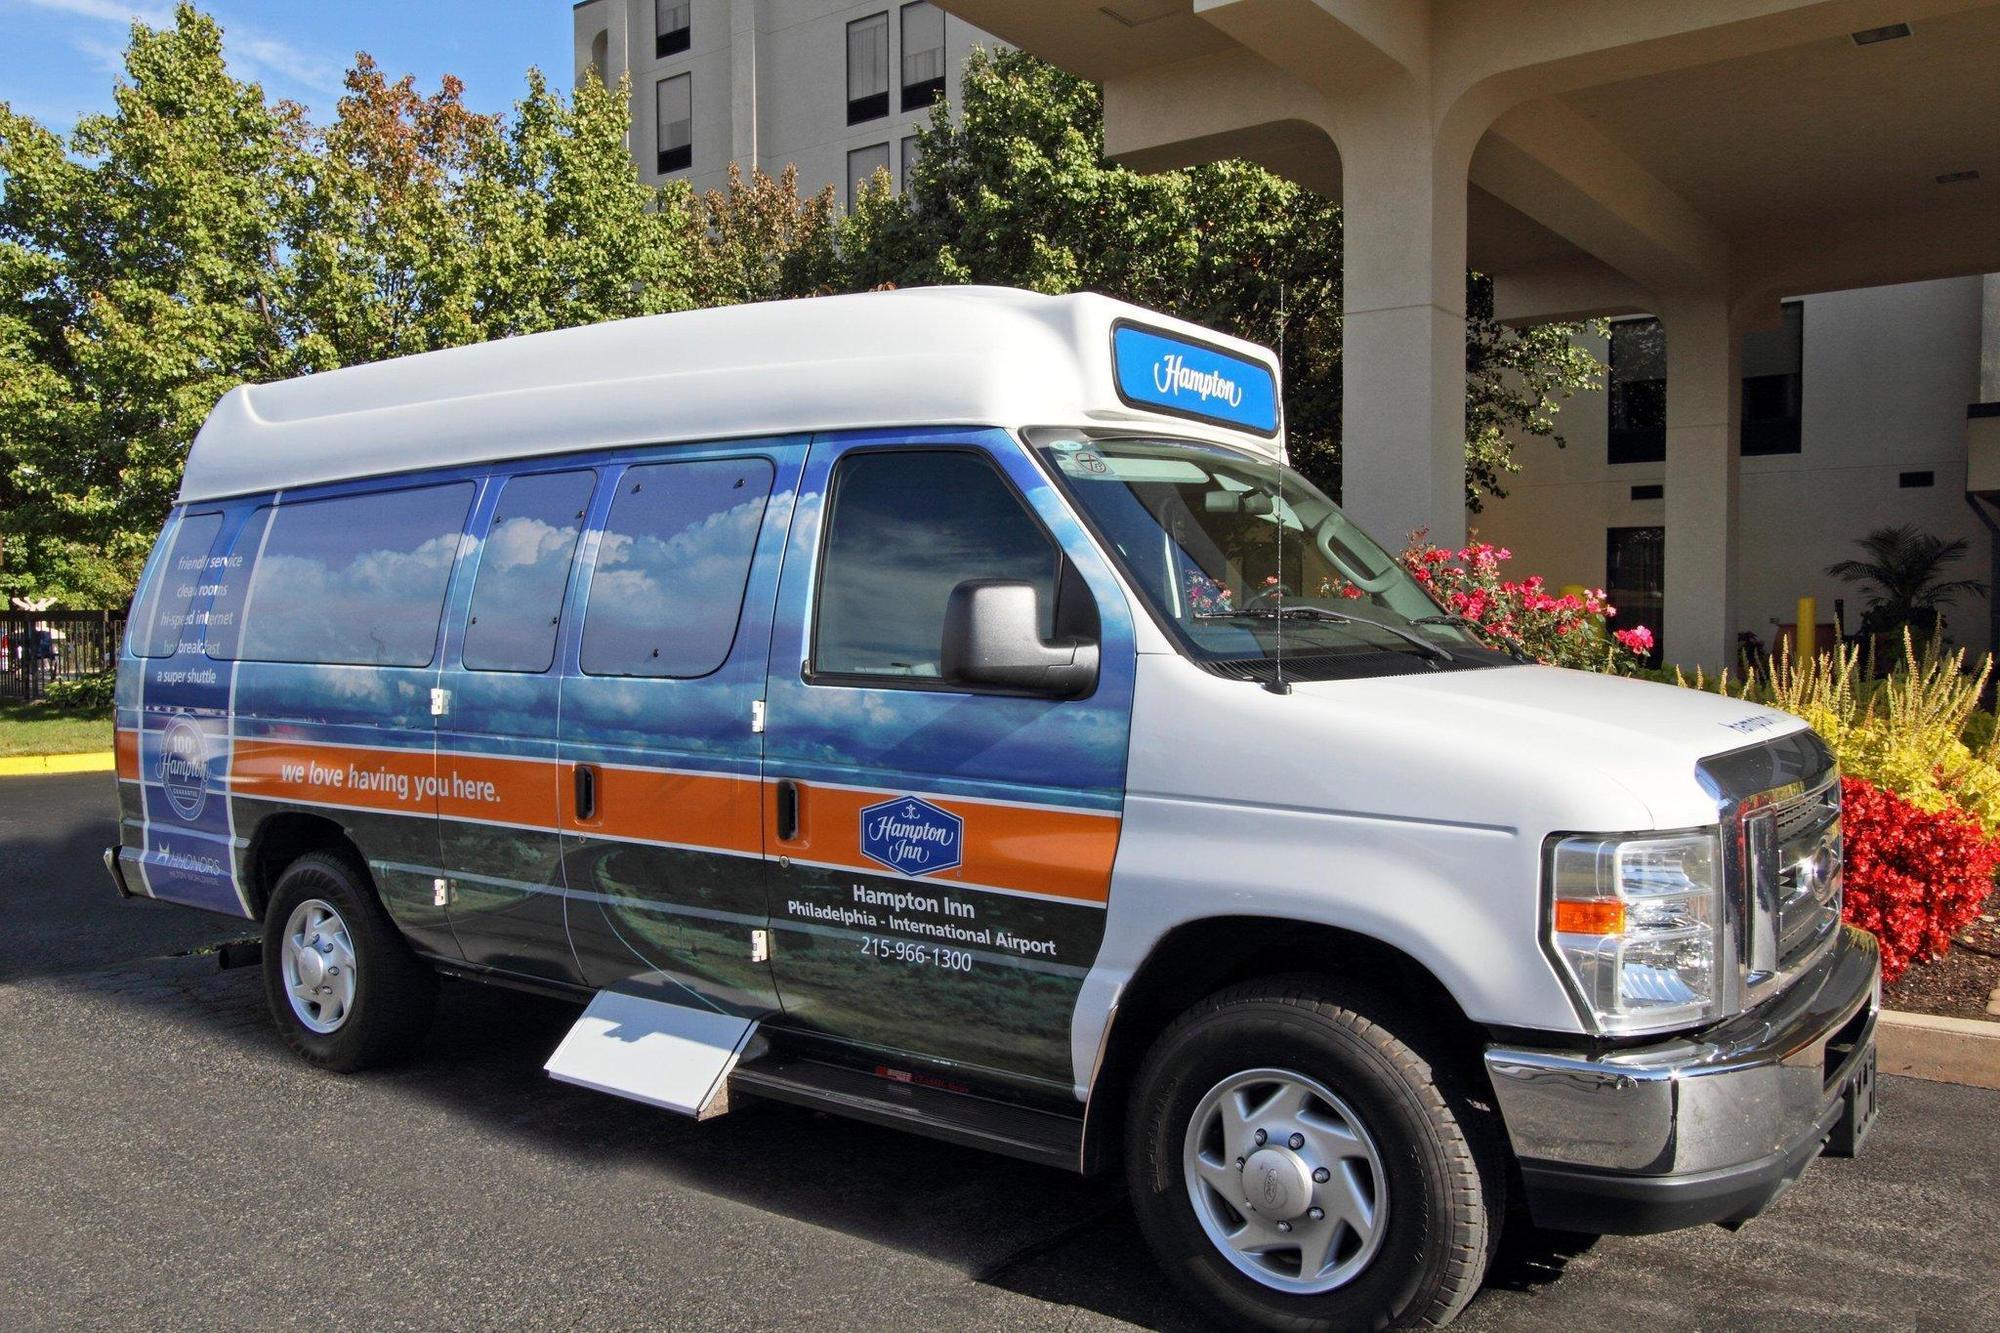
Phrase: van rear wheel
[342,984]
[1295,1164]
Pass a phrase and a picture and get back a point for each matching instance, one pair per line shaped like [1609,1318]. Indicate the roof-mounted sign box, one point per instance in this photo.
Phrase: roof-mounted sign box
[1165,373]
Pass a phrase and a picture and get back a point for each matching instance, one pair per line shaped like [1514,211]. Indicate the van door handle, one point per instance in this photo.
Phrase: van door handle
[586,791]
[788,810]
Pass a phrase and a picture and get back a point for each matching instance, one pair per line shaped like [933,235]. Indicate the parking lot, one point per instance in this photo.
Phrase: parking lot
[163,1161]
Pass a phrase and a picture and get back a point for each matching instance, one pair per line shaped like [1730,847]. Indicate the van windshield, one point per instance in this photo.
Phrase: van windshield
[1241,557]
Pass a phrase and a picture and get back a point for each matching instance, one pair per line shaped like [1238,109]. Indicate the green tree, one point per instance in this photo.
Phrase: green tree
[381,242]
[764,241]
[140,284]
[1014,189]
[561,229]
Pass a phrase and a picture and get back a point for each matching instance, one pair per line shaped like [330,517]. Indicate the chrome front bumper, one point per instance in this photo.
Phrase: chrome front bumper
[1707,1127]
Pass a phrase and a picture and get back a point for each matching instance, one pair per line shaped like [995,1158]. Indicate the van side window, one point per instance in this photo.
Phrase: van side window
[905,528]
[672,566]
[356,580]
[162,621]
[523,571]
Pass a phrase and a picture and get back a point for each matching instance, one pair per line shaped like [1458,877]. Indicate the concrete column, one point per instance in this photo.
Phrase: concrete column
[1403,338]
[1703,345]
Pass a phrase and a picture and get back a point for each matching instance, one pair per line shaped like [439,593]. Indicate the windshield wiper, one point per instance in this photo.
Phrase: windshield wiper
[1515,649]
[1432,652]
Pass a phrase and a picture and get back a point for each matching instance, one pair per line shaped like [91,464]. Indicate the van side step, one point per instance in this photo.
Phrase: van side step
[665,1055]
[1013,1131]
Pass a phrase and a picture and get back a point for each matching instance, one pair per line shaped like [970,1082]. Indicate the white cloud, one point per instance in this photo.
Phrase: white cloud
[252,52]
[109,11]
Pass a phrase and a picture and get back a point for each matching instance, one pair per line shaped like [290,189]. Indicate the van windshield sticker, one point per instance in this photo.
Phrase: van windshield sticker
[1189,379]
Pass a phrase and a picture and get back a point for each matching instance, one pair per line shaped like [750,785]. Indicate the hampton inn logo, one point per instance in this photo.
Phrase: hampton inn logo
[1191,379]
[911,836]
[184,766]
[1173,376]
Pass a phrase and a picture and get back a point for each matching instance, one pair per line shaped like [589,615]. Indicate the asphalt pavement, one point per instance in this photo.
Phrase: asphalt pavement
[165,1162]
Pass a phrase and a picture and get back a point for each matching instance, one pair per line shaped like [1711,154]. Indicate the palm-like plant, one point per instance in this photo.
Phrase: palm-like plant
[1903,576]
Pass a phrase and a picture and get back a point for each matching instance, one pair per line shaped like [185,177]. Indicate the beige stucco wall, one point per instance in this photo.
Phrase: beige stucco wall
[769,77]
[1888,372]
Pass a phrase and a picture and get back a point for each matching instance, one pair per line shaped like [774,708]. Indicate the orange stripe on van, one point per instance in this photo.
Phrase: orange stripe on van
[501,788]
[696,809]
[1036,849]
[1042,850]
[125,746]
[371,779]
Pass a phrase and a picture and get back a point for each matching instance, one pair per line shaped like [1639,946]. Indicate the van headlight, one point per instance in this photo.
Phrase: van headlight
[1635,923]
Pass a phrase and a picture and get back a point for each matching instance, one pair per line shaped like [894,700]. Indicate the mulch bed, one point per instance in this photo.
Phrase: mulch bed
[1960,984]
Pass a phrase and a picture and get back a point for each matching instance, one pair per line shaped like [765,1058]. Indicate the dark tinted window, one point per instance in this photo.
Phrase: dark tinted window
[671,567]
[523,569]
[905,529]
[163,620]
[1774,384]
[358,580]
[1638,392]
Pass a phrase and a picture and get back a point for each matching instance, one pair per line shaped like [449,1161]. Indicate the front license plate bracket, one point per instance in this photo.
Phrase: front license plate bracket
[1858,1108]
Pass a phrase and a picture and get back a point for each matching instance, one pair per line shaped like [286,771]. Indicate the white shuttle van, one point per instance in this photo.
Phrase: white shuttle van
[946,708]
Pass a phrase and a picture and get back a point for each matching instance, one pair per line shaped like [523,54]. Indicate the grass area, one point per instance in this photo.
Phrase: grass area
[33,729]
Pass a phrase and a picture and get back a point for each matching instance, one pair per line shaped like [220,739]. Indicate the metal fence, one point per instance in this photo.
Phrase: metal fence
[39,647]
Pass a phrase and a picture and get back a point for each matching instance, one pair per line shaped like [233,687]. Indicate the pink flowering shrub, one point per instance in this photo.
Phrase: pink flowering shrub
[1553,629]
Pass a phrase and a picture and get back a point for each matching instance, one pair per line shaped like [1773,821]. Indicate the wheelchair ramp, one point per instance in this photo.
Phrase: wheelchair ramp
[665,1055]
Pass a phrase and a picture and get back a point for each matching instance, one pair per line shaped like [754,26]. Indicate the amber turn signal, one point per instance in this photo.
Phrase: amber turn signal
[1590,916]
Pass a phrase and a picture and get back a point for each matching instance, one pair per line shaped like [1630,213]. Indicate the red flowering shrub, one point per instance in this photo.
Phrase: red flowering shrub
[1914,877]
[1557,630]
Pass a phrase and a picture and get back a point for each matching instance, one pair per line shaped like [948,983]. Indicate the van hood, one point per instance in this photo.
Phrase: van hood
[1646,737]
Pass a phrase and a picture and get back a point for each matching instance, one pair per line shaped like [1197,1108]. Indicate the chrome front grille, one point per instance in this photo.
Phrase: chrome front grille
[1798,882]
[1779,804]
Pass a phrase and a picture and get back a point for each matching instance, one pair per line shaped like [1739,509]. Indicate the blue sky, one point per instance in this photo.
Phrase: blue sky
[63,55]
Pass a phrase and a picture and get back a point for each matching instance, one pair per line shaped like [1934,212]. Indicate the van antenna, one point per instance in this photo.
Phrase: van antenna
[1278,684]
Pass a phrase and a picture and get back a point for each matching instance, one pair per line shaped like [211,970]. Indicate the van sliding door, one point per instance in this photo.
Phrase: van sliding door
[661,758]
[497,763]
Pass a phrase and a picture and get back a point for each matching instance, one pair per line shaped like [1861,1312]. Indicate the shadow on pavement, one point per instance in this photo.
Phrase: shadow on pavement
[1030,1230]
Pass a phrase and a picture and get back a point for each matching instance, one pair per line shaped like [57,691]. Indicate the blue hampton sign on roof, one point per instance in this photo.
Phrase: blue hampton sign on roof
[1194,380]
[912,836]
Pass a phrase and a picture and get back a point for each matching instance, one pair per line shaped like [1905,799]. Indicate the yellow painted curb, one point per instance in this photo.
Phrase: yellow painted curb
[27,765]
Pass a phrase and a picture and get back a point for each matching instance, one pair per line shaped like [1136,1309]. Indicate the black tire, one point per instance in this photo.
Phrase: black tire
[395,992]
[1445,1176]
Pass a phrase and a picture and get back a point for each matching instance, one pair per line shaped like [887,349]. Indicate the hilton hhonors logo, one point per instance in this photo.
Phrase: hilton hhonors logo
[184,766]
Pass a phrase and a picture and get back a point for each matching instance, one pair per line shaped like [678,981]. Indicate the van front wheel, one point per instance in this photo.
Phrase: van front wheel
[1296,1165]
[342,984]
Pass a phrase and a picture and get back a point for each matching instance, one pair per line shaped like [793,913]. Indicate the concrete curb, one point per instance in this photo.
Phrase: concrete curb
[29,765]
[1944,1050]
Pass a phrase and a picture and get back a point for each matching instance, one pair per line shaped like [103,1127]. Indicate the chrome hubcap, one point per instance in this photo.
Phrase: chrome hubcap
[1286,1180]
[318,965]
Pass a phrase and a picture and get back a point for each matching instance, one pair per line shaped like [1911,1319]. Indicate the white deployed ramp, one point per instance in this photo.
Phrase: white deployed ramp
[661,1054]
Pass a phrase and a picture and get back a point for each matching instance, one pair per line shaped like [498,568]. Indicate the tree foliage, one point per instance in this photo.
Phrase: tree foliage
[201,236]
[142,283]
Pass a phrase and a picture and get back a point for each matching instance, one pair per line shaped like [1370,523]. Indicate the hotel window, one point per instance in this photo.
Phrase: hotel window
[911,152]
[862,164]
[923,55]
[1773,366]
[867,68]
[670,27]
[674,105]
[1638,392]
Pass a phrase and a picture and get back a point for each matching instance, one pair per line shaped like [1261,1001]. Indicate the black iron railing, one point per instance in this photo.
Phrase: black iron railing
[37,648]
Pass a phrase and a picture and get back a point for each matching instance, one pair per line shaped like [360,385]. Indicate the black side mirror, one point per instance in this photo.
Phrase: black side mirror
[992,636]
